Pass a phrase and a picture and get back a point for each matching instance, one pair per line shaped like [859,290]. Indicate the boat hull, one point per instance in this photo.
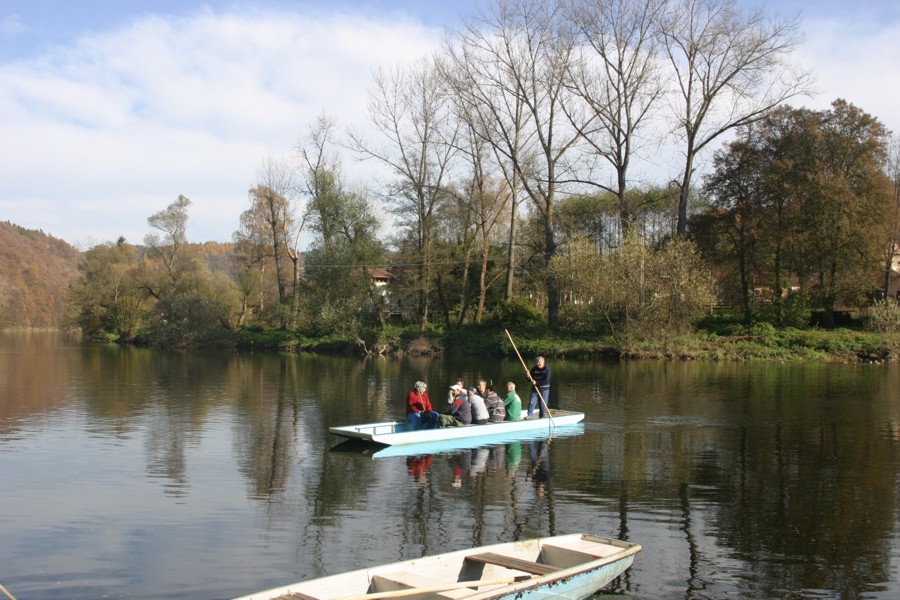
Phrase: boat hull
[395,433]
[455,445]
[573,566]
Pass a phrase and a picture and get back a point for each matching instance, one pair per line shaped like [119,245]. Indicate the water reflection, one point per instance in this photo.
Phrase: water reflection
[418,467]
[208,475]
[539,473]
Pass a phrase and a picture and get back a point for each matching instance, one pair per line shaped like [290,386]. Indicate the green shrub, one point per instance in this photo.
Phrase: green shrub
[189,321]
[516,313]
[762,329]
[884,316]
[582,319]
[723,322]
[794,311]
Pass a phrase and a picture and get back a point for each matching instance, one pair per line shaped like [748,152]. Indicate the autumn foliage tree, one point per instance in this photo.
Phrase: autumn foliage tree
[801,197]
[109,297]
[637,291]
[36,271]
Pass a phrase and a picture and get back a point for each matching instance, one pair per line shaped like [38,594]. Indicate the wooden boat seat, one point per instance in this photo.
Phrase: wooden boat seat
[404,580]
[296,596]
[511,562]
[568,557]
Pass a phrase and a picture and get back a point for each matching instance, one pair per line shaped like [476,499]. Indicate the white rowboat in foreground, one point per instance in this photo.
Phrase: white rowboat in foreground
[566,566]
[392,433]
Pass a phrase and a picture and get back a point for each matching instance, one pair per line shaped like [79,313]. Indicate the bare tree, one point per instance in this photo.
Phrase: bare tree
[321,174]
[730,66]
[511,66]
[272,213]
[483,196]
[409,107]
[172,223]
[618,76]
[253,248]
[508,116]
[892,168]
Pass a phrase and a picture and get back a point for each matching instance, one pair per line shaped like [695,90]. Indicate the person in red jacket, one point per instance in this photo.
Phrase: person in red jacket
[418,408]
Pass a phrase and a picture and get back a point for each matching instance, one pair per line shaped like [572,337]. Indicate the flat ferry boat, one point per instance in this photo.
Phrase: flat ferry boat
[395,433]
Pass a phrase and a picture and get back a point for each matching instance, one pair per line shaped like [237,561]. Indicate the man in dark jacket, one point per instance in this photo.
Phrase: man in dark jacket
[460,407]
[540,381]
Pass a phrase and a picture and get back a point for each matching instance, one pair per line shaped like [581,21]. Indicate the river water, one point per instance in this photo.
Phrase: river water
[134,473]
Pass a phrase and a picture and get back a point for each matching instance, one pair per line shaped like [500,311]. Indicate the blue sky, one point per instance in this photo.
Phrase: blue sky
[111,109]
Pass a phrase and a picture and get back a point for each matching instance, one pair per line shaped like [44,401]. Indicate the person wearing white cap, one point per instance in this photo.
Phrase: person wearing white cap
[453,393]
[460,407]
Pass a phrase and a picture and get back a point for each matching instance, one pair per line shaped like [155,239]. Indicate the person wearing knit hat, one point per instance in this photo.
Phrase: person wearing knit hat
[419,411]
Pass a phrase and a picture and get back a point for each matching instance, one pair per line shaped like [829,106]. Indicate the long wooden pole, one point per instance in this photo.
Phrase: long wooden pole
[456,585]
[4,590]
[528,373]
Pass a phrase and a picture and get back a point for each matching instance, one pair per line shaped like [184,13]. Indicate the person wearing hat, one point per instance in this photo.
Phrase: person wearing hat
[453,392]
[418,408]
[480,414]
[459,406]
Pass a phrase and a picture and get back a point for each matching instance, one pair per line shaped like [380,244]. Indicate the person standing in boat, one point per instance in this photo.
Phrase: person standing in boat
[512,403]
[493,402]
[540,381]
[480,414]
[418,408]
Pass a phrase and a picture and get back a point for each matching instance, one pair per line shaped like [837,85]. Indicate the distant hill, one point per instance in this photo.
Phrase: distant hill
[35,272]
[37,269]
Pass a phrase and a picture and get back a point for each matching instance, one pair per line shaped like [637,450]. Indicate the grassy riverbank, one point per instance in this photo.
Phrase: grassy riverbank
[761,342]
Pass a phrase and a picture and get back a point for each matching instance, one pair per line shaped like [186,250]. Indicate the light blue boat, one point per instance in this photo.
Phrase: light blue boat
[452,445]
[400,433]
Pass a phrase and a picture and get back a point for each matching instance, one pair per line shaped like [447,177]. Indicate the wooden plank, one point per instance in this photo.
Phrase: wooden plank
[407,579]
[297,596]
[511,562]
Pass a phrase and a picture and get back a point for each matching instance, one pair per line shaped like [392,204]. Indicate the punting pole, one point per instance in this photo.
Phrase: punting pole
[527,372]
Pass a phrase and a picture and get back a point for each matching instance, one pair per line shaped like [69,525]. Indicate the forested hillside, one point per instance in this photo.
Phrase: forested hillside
[36,269]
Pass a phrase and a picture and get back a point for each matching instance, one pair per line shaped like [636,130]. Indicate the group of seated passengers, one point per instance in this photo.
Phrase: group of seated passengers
[475,405]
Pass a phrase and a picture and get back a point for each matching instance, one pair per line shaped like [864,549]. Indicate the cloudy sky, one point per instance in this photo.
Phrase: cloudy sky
[109,109]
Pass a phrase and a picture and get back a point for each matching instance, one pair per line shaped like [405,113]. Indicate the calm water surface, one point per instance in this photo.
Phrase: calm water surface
[132,473]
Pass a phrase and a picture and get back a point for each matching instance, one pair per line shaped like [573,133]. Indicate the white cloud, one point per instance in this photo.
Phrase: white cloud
[858,60]
[11,26]
[102,134]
